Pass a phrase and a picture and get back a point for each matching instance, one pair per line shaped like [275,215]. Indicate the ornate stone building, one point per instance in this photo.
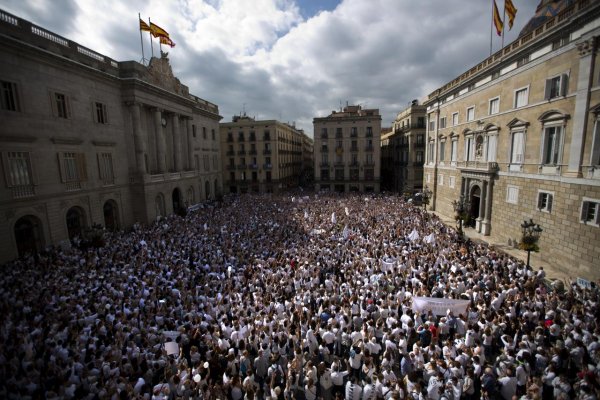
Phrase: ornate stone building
[348,150]
[88,140]
[518,136]
[262,156]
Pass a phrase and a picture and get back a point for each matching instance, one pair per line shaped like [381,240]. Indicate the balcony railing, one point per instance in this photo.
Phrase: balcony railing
[484,166]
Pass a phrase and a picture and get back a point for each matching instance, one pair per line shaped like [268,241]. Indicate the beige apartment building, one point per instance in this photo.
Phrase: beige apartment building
[88,140]
[407,140]
[261,156]
[518,136]
[348,150]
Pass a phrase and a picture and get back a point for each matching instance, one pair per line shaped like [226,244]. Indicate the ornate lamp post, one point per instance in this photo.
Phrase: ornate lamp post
[425,196]
[531,234]
[461,209]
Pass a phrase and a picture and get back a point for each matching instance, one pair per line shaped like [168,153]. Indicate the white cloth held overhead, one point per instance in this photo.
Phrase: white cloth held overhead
[414,235]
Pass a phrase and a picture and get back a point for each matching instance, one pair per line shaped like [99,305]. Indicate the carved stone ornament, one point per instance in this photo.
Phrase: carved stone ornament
[587,47]
[160,74]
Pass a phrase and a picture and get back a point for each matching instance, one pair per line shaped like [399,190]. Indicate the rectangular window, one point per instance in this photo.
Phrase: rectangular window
[469,148]
[61,105]
[512,194]
[369,174]
[339,174]
[206,162]
[353,131]
[442,149]
[420,122]
[455,119]
[204,132]
[590,212]
[338,132]
[490,152]
[18,168]
[196,162]
[105,168]
[9,99]
[544,202]
[369,131]
[419,157]
[517,153]
[420,140]
[324,133]
[440,180]
[556,86]
[454,150]
[552,138]
[213,134]
[101,115]
[470,114]
[431,125]
[194,130]
[431,151]
[442,122]
[451,181]
[494,107]
[72,167]
[521,97]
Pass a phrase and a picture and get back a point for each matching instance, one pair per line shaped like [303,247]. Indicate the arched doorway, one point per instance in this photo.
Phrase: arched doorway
[28,235]
[111,218]
[177,201]
[159,205]
[207,189]
[75,221]
[475,204]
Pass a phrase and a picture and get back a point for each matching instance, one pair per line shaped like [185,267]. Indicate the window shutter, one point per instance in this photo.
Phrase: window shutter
[100,166]
[6,169]
[32,169]
[81,167]
[53,109]
[547,89]
[549,202]
[61,167]
[584,210]
[564,84]
[540,200]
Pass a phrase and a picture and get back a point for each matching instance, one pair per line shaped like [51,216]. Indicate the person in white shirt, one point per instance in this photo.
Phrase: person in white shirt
[353,390]
[508,385]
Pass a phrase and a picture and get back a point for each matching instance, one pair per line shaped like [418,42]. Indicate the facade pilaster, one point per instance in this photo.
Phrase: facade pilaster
[161,145]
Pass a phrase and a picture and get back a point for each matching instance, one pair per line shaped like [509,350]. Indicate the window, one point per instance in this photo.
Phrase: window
[431,125]
[204,132]
[60,105]
[338,132]
[420,122]
[494,106]
[442,122]
[194,130]
[72,167]
[324,148]
[469,148]
[544,202]
[369,174]
[206,162]
[451,181]
[213,134]
[440,180]
[324,158]
[556,86]
[430,152]
[470,114]
[595,156]
[105,168]
[419,157]
[521,97]
[551,145]
[339,174]
[353,131]
[370,159]
[454,119]
[196,162]
[420,140]
[590,211]
[491,146]
[517,147]
[442,149]
[512,194]
[454,150]
[369,131]
[100,113]
[324,133]
[9,99]
[17,168]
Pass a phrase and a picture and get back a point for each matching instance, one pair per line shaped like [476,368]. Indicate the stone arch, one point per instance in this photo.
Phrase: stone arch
[76,221]
[475,200]
[29,235]
[110,211]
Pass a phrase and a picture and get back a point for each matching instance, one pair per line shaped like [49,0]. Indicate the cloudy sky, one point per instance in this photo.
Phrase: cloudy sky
[291,60]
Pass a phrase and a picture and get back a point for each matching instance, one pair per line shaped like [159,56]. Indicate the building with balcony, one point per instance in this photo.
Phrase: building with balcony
[89,140]
[261,156]
[518,135]
[407,150]
[348,150]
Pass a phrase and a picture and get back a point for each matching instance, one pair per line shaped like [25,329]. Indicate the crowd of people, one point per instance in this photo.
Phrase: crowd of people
[292,297]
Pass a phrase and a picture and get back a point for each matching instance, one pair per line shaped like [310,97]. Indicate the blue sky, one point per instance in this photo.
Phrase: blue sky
[292,60]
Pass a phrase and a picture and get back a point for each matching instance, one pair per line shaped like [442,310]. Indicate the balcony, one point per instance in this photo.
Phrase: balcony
[267,166]
[354,164]
[23,191]
[253,166]
[479,166]
[252,152]
[369,163]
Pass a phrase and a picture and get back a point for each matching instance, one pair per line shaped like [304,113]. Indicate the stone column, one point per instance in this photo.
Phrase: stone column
[482,199]
[178,164]
[161,161]
[190,141]
[587,53]
[486,225]
[139,138]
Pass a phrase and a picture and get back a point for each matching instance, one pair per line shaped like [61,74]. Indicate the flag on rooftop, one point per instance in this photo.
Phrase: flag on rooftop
[144,26]
[511,12]
[497,20]
[157,31]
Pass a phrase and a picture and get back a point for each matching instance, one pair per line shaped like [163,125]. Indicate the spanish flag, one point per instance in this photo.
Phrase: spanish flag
[144,26]
[167,41]
[511,11]
[157,31]
[497,20]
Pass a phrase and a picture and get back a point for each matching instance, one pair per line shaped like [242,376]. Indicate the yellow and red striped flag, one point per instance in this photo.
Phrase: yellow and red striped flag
[511,12]
[497,20]
[144,26]
[167,41]
[157,31]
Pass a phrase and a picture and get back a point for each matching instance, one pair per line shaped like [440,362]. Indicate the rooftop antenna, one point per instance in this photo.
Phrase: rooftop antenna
[340,105]
[244,108]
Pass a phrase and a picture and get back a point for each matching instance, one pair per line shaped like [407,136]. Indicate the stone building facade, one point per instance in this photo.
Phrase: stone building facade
[348,150]
[86,140]
[518,136]
[261,156]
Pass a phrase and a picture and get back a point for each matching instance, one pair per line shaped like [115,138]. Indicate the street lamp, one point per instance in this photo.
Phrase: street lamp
[425,196]
[531,234]
[461,208]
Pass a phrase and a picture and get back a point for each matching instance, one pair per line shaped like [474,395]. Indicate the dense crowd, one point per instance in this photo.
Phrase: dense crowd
[292,297]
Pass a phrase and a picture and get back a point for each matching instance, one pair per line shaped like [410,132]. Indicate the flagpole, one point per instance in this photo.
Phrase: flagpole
[141,41]
[503,23]
[492,28]
[151,44]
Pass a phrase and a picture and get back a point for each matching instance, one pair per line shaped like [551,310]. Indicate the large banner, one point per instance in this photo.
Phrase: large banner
[439,306]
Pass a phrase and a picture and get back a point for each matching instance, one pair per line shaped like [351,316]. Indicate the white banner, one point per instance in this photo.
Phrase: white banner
[440,306]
